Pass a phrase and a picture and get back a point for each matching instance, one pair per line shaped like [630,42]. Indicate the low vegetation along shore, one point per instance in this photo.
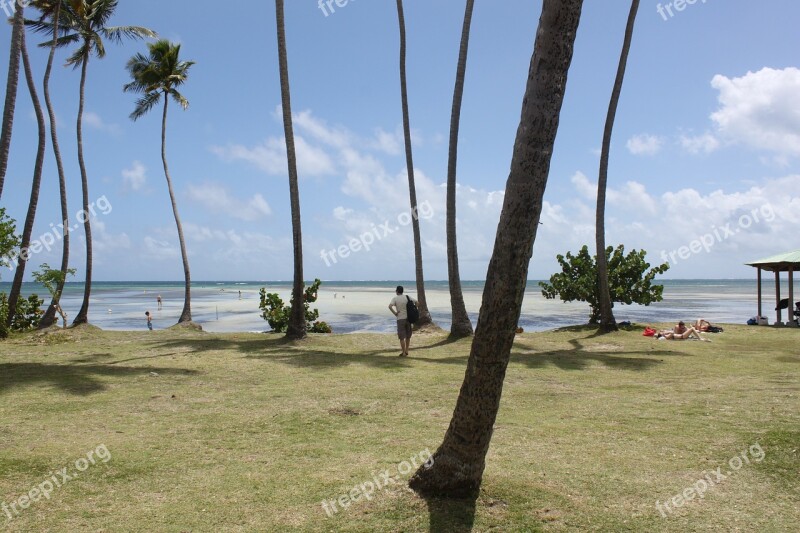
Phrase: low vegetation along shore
[182,430]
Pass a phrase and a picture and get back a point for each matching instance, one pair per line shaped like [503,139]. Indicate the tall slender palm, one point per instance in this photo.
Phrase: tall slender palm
[11,92]
[607,321]
[424,314]
[16,285]
[156,75]
[52,9]
[297,319]
[85,24]
[459,462]
[461,325]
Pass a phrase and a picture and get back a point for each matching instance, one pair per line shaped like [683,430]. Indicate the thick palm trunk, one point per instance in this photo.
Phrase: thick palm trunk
[186,314]
[12,82]
[50,317]
[459,462]
[16,285]
[297,320]
[83,315]
[461,325]
[607,321]
[424,314]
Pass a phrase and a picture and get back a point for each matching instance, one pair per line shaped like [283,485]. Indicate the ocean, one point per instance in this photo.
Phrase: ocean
[361,306]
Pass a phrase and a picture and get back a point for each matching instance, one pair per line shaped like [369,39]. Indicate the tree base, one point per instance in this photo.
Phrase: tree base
[445,478]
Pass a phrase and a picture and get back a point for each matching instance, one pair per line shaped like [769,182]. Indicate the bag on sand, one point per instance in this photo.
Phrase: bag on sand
[411,311]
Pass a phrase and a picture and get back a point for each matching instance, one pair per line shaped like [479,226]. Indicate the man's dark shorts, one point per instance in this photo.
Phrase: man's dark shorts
[403,329]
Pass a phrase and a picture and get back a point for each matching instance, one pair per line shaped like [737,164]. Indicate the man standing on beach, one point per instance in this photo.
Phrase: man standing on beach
[398,308]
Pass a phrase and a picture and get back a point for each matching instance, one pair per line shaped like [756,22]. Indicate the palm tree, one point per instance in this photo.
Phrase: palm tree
[459,462]
[607,321]
[297,319]
[461,325]
[16,285]
[11,92]
[424,314]
[85,25]
[52,9]
[154,76]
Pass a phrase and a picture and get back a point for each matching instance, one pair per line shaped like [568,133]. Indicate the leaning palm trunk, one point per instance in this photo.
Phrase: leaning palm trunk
[54,308]
[297,320]
[607,321]
[186,314]
[459,462]
[83,314]
[12,82]
[461,325]
[16,285]
[424,314]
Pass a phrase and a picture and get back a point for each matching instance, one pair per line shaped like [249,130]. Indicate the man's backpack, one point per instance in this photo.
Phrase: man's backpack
[411,311]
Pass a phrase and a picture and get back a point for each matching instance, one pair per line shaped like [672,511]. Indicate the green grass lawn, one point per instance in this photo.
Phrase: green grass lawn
[245,432]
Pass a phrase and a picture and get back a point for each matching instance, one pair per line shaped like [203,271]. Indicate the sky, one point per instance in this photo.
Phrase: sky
[704,158]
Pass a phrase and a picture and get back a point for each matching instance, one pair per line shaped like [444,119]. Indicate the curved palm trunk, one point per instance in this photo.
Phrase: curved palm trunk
[461,325]
[459,462]
[12,82]
[186,314]
[50,317]
[424,314]
[607,321]
[83,315]
[297,320]
[16,285]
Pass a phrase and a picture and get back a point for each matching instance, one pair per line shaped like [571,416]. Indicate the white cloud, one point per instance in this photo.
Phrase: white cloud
[760,110]
[705,143]
[217,199]
[645,144]
[270,157]
[134,178]
[95,121]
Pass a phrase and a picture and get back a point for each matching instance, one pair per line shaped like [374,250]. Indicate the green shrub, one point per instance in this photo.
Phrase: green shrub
[29,312]
[277,314]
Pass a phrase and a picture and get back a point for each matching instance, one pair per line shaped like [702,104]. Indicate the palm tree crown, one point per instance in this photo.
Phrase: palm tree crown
[160,72]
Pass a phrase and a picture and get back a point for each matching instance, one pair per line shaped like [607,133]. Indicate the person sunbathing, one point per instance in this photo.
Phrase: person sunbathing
[680,333]
[702,325]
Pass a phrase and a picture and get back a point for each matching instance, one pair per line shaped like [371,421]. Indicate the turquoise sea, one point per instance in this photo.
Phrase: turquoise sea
[359,306]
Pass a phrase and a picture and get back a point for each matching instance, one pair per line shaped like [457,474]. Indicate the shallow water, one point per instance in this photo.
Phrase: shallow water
[354,306]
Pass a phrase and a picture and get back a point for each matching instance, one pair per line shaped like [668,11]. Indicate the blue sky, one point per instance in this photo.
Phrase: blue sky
[704,155]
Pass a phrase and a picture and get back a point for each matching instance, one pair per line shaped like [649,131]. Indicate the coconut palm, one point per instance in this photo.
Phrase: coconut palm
[461,325]
[459,462]
[85,24]
[30,217]
[424,314]
[51,9]
[607,321]
[160,74]
[297,319]
[11,91]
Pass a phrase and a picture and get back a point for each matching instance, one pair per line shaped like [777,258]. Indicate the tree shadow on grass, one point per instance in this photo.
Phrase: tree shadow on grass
[580,357]
[80,380]
[451,515]
[300,354]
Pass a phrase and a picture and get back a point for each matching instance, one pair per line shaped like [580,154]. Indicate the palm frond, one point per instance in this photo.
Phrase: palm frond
[180,99]
[145,104]
[118,33]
